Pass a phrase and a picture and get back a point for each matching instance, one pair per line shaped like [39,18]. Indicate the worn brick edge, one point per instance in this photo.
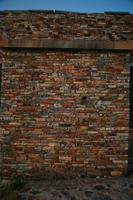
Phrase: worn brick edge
[67,44]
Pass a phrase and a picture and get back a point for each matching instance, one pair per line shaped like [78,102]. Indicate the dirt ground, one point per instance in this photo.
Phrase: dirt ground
[83,188]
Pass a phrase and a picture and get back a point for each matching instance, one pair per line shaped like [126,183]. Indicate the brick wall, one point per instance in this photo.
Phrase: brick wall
[64,109]
[61,25]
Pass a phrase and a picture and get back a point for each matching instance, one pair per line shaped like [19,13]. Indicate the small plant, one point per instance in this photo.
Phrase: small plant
[18,181]
[6,193]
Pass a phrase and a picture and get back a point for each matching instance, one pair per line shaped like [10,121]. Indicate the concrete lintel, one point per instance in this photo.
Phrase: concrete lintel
[84,44]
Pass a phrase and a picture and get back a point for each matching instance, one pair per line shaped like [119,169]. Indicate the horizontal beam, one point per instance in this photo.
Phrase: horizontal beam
[67,44]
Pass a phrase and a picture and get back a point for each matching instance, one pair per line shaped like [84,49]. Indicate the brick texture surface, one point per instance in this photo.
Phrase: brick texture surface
[63,110]
[50,25]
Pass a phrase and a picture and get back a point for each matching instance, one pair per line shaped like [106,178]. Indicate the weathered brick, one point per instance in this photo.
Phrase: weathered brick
[62,109]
